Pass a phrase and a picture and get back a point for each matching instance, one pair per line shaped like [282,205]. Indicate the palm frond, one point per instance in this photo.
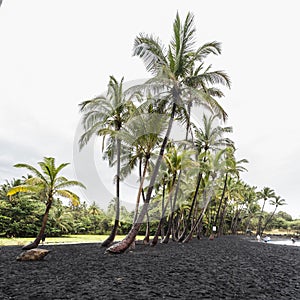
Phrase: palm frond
[34,181]
[182,44]
[69,195]
[214,77]
[32,170]
[151,51]
[60,167]
[204,98]
[208,48]
[23,189]
[69,183]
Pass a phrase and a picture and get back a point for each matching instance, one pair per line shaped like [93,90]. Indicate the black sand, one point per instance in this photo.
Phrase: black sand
[225,268]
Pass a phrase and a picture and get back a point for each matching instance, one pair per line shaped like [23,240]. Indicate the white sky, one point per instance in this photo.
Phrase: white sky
[55,54]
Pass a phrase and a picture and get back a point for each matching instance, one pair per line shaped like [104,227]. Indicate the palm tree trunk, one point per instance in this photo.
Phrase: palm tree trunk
[268,220]
[147,235]
[172,204]
[162,230]
[189,236]
[140,191]
[170,223]
[114,231]
[222,218]
[42,230]
[260,219]
[156,235]
[235,221]
[183,235]
[221,200]
[161,221]
[248,222]
[123,245]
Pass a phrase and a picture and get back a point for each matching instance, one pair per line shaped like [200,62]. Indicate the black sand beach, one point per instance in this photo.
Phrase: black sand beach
[225,268]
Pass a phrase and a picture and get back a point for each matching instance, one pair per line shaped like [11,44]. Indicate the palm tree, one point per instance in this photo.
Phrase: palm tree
[170,68]
[278,201]
[7,186]
[176,160]
[95,211]
[265,194]
[208,138]
[212,165]
[252,206]
[48,184]
[105,116]
[141,135]
[60,219]
[232,169]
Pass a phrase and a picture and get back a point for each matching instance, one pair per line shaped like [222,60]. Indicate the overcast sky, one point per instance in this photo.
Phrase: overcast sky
[54,54]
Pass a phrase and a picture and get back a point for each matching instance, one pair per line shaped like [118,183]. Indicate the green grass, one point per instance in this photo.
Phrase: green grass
[60,240]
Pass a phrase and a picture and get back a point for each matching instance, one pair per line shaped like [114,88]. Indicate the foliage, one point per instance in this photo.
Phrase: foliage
[187,187]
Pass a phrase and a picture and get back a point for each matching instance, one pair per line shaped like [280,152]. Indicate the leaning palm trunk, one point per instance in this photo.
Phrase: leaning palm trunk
[222,218]
[234,223]
[172,205]
[190,235]
[248,222]
[199,219]
[260,218]
[114,231]
[268,221]
[42,230]
[221,201]
[123,245]
[170,223]
[140,191]
[161,229]
[160,225]
[189,221]
[146,239]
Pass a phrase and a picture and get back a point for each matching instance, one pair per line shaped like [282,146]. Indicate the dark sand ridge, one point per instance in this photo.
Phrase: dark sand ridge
[226,268]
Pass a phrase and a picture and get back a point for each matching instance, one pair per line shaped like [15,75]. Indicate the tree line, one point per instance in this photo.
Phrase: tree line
[21,216]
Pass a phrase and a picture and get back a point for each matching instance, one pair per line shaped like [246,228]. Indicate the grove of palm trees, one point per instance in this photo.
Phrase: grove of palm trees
[197,217]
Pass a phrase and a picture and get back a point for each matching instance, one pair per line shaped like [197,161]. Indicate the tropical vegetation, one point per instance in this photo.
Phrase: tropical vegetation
[187,187]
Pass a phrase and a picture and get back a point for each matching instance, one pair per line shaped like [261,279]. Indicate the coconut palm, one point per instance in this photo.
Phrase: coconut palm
[265,194]
[239,205]
[206,138]
[278,201]
[105,116]
[7,186]
[48,184]
[177,160]
[60,219]
[251,208]
[232,168]
[170,67]
[96,212]
[141,136]
[211,166]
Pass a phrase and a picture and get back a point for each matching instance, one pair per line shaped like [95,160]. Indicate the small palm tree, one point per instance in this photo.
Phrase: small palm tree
[48,184]
[278,201]
[232,169]
[265,194]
